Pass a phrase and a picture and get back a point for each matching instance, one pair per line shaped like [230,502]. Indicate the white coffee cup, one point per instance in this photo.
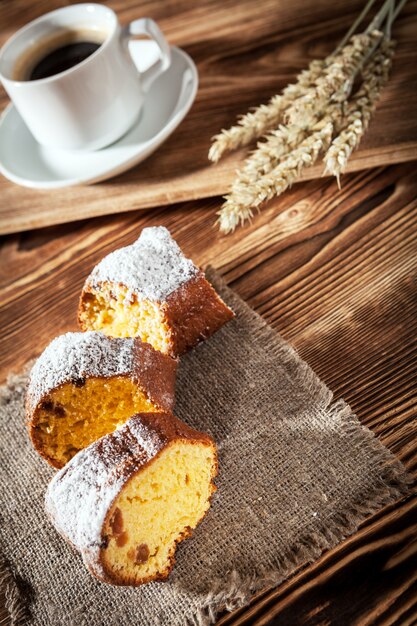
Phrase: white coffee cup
[94,103]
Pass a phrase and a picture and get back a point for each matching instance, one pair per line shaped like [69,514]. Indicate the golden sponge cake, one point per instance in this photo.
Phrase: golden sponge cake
[85,385]
[151,290]
[143,488]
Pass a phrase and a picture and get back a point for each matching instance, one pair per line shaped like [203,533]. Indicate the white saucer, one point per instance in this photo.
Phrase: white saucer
[27,163]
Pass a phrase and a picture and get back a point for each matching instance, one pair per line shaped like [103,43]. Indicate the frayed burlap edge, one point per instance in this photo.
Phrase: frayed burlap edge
[392,486]
[15,603]
[239,592]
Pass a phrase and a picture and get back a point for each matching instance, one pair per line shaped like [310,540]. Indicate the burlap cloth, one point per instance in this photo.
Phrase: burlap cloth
[298,473]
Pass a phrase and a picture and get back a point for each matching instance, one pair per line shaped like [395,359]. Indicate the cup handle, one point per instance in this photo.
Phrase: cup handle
[147,26]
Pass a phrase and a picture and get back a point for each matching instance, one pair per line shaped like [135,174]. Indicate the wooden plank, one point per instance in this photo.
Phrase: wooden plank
[245,52]
[377,563]
[334,272]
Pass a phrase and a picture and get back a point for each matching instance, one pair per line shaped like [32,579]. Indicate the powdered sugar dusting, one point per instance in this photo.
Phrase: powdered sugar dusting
[79,355]
[153,267]
[80,495]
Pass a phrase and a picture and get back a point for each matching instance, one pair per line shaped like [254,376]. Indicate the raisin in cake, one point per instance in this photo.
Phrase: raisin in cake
[143,488]
[85,385]
[151,290]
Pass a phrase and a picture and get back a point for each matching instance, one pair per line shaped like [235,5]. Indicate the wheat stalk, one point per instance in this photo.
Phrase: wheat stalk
[375,76]
[258,122]
[320,115]
[312,87]
[288,150]
[240,203]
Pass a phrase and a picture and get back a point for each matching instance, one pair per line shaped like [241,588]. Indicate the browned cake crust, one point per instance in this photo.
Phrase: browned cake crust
[96,476]
[74,357]
[194,312]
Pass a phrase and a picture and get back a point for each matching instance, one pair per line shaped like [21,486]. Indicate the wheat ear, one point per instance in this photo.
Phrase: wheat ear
[256,123]
[240,203]
[360,109]
[335,83]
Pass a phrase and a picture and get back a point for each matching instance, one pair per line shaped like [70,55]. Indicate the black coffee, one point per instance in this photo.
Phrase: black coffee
[63,59]
[57,52]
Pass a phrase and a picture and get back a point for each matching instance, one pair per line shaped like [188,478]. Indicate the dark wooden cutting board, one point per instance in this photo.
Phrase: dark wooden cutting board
[245,51]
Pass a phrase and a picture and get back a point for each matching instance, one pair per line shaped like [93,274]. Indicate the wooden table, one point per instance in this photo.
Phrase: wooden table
[335,273]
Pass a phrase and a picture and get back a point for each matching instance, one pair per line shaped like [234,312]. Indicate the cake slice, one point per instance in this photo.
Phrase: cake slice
[151,290]
[85,385]
[143,488]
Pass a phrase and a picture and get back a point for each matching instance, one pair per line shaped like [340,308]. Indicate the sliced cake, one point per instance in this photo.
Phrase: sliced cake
[143,488]
[151,290]
[85,385]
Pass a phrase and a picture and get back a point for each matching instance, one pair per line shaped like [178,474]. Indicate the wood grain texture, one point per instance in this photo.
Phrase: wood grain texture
[245,52]
[335,273]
